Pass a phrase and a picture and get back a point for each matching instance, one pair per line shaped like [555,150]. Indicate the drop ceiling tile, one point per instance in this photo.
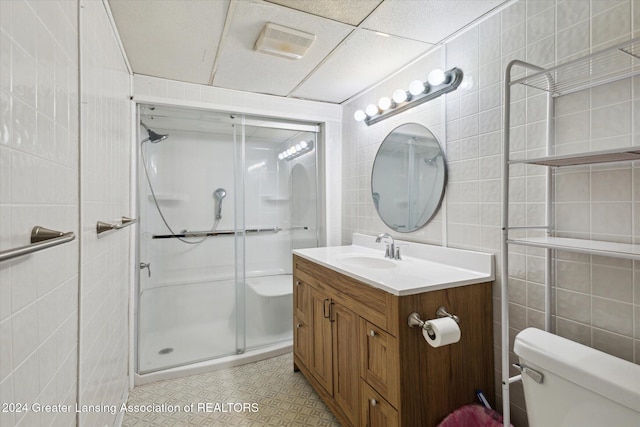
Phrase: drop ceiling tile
[351,12]
[365,59]
[241,67]
[172,39]
[429,21]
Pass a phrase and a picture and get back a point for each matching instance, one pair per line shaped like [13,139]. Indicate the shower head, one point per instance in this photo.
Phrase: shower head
[218,195]
[153,137]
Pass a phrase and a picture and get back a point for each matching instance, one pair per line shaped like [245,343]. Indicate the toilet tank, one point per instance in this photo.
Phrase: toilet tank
[581,386]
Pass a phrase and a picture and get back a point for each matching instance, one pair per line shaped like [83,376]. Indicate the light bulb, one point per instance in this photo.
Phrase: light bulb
[416,87]
[436,77]
[291,151]
[298,148]
[359,115]
[280,156]
[304,144]
[400,96]
[371,110]
[385,103]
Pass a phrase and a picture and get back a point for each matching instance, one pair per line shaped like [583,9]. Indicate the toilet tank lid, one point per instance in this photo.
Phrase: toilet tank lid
[602,373]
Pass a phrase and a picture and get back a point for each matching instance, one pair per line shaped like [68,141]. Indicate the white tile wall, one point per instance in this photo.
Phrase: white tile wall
[105,195]
[597,300]
[39,185]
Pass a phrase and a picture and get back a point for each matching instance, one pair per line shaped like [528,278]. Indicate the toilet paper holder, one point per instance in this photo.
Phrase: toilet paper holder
[414,318]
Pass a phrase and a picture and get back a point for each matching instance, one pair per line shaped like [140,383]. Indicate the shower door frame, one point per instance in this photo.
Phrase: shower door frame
[243,120]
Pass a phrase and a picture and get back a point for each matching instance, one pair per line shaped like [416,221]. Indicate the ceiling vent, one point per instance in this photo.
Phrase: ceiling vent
[283,41]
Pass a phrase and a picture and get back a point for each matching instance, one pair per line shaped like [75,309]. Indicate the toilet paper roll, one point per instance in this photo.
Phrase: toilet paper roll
[444,331]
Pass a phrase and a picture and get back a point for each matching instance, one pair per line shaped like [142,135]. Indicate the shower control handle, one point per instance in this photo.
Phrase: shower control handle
[146,265]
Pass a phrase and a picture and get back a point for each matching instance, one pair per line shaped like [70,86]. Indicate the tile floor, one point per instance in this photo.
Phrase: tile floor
[265,393]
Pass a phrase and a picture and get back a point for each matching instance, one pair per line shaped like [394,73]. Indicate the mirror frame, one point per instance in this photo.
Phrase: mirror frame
[442,190]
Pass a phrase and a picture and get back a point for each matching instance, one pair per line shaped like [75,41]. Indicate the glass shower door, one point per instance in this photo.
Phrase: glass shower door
[222,202]
[188,294]
[280,215]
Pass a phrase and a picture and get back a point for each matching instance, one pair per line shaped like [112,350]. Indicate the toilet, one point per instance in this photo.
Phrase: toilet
[580,386]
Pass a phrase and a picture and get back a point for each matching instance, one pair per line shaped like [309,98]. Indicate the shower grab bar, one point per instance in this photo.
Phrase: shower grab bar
[41,238]
[101,226]
[225,232]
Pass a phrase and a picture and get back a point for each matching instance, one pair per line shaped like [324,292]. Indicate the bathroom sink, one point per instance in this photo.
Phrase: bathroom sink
[364,261]
[422,267]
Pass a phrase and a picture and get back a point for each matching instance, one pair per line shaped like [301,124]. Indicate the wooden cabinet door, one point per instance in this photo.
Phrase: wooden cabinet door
[301,300]
[380,361]
[376,412]
[346,380]
[320,354]
[301,325]
[301,339]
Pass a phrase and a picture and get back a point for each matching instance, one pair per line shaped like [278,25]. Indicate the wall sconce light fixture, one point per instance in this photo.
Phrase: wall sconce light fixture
[296,150]
[438,82]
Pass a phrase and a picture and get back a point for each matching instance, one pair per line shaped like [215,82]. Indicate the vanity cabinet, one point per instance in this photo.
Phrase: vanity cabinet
[324,335]
[370,367]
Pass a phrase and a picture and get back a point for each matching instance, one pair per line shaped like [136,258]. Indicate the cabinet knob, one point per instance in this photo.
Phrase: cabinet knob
[372,333]
[297,325]
[298,282]
[374,402]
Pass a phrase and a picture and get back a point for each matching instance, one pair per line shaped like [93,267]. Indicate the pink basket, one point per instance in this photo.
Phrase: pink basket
[472,416]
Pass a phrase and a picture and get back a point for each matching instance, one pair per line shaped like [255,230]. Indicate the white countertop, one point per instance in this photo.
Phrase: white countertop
[423,268]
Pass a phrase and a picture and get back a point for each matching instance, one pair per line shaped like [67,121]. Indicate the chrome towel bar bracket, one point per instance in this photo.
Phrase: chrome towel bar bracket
[41,238]
[101,226]
[414,318]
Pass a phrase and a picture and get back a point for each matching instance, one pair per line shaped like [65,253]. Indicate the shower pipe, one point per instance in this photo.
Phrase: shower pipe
[225,232]
[155,138]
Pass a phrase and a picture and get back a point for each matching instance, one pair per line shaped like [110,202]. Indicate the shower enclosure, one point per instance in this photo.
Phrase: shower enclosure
[222,199]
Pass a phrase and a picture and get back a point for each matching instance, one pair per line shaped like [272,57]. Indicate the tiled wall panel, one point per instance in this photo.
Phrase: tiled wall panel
[597,299]
[105,196]
[38,186]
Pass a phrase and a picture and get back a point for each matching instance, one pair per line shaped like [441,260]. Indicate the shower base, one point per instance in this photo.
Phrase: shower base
[176,346]
[230,361]
[192,329]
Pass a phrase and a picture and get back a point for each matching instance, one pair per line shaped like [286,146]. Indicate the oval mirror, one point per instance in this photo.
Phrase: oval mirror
[408,178]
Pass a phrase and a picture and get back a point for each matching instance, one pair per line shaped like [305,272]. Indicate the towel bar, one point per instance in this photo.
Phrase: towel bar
[41,238]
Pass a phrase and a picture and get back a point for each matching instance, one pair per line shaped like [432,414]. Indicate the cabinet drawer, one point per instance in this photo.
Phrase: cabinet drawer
[380,366]
[376,411]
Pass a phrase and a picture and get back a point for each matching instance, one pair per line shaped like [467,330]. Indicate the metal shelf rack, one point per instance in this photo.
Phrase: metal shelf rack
[606,66]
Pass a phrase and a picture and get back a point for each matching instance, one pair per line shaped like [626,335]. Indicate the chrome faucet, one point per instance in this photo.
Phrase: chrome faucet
[390,252]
